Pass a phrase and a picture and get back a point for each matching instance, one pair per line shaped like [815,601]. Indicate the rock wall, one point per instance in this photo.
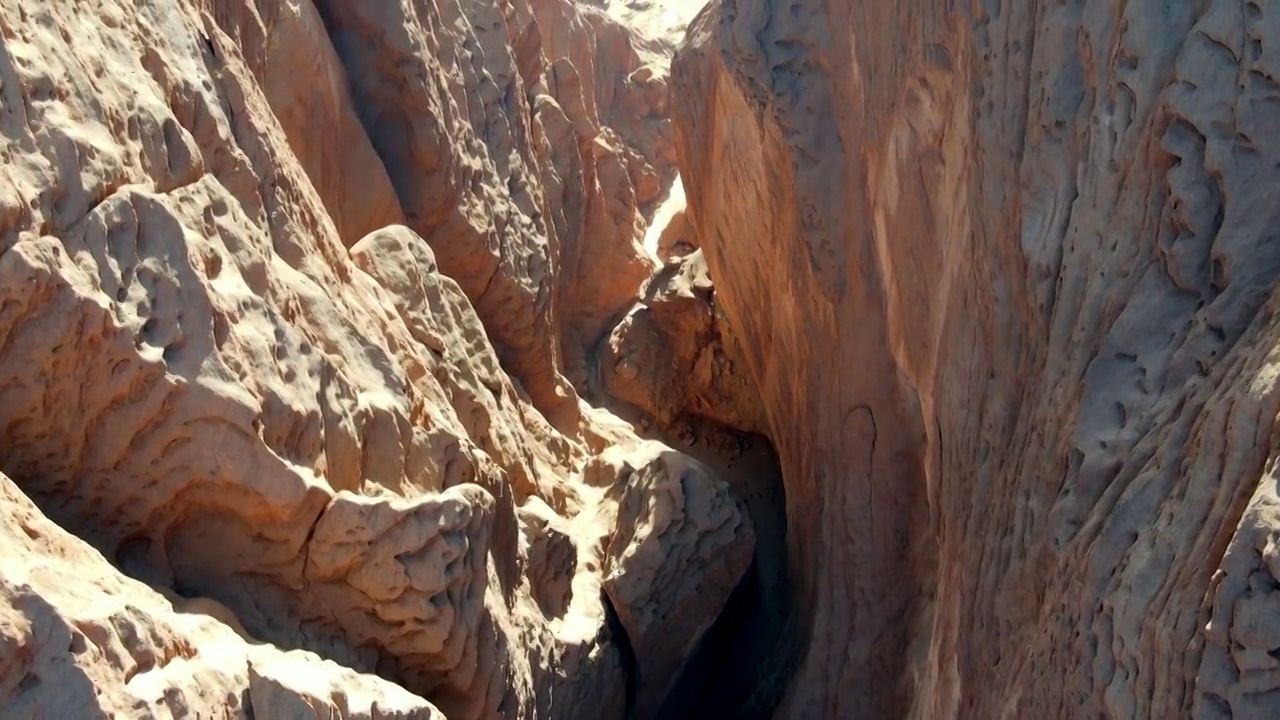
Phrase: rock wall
[289,297]
[300,303]
[1017,352]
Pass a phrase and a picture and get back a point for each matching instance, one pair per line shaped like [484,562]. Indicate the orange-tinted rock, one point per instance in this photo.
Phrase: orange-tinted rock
[443,104]
[213,374]
[1006,280]
[674,357]
[286,47]
[78,639]
[681,545]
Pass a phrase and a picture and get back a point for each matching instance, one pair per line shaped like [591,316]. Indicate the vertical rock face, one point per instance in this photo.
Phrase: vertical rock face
[610,144]
[300,303]
[441,98]
[286,47]
[529,201]
[1017,353]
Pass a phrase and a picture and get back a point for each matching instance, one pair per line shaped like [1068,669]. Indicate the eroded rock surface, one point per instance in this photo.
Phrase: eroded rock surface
[680,547]
[78,639]
[1018,356]
[301,304]
[283,328]
[674,356]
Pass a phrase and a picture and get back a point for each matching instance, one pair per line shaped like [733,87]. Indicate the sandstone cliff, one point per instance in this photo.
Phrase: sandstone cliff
[296,303]
[1018,354]
[370,360]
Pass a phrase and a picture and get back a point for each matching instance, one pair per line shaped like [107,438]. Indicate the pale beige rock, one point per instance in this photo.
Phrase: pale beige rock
[611,263]
[447,118]
[1018,349]
[199,378]
[299,685]
[604,179]
[553,557]
[671,233]
[681,545]
[665,21]
[410,575]
[285,45]
[623,75]
[495,414]
[1003,277]
[79,640]
[507,169]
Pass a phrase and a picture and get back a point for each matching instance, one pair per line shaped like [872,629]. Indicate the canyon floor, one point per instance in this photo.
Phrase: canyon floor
[639,359]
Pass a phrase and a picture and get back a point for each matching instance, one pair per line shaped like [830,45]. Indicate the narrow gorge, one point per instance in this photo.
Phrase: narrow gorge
[636,359]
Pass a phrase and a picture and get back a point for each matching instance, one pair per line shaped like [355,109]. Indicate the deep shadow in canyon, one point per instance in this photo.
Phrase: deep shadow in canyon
[741,666]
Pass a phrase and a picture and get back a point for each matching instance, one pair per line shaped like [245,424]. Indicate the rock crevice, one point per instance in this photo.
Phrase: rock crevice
[288,332]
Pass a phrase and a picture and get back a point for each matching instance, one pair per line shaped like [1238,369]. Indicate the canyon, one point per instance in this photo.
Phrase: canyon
[635,359]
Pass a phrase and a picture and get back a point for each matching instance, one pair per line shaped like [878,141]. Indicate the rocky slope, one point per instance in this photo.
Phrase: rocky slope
[370,360]
[297,301]
[79,640]
[1019,350]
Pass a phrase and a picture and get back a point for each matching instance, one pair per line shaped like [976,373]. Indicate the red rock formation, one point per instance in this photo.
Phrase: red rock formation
[443,103]
[286,47]
[672,515]
[1005,277]
[300,302]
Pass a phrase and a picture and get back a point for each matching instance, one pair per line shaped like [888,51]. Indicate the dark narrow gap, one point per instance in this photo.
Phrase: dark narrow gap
[712,683]
[623,642]
[743,663]
[737,670]
[385,127]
